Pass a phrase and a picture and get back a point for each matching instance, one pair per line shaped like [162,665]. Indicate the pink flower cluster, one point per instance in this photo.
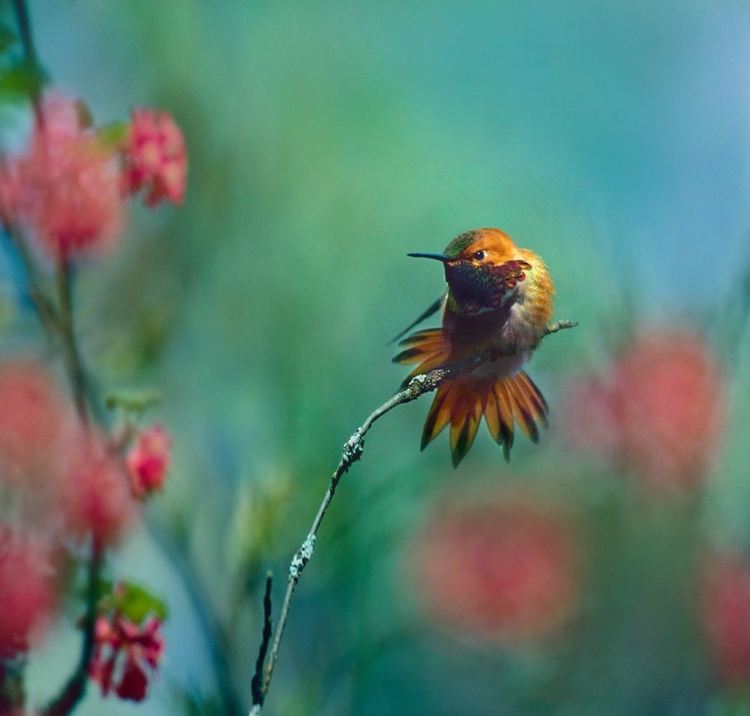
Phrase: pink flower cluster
[28,592]
[64,476]
[503,569]
[95,497]
[155,157]
[726,617]
[63,480]
[659,410]
[126,654]
[66,192]
[32,422]
[148,461]
[67,482]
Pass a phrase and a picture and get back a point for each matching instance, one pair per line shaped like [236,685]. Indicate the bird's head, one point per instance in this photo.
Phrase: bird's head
[482,269]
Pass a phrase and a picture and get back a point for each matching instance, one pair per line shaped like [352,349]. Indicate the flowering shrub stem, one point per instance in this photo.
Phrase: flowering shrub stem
[75,688]
[60,320]
[352,452]
[47,310]
[83,218]
[23,21]
[12,692]
[76,369]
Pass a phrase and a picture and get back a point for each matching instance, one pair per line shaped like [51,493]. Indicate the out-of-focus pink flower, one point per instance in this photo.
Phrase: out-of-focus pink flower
[660,410]
[155,157]
[96,497]
[148,460]
[28,596]
[503,570]
[591,423]
[726,617]
[125,654]
[33,419]
[65,191]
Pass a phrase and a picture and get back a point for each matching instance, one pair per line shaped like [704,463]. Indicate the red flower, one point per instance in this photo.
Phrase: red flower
[96,497]
[500,569]
[659,410]
[65,191]
[155,157]
[125,654]
[33,420]
[148,461]
[27,591]
[726,617]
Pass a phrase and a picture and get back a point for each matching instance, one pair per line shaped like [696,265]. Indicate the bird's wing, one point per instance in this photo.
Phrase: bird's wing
[433,308]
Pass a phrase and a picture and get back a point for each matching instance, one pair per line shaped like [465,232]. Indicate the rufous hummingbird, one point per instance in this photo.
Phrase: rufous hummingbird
[499,297]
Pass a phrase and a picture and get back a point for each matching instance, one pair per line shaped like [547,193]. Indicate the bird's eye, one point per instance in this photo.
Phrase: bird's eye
[478,255]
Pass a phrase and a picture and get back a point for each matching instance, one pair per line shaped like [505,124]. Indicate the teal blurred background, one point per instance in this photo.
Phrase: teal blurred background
[327,140]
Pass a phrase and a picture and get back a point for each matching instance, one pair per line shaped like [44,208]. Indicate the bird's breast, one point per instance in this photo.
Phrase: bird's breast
[506,329]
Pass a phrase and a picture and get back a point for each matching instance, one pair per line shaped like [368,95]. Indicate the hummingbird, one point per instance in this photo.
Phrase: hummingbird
[499,297]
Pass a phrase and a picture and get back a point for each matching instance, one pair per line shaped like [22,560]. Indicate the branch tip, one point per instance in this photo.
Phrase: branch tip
[257,686]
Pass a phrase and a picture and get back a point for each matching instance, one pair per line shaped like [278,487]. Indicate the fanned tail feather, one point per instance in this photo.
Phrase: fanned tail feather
[461,402]
[428,348]
[503,403]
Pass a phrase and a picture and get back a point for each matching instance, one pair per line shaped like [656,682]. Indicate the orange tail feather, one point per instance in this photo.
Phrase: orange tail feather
[463,401]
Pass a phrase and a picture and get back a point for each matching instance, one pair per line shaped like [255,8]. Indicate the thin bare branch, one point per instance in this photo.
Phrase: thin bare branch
[257,683]
[352,452]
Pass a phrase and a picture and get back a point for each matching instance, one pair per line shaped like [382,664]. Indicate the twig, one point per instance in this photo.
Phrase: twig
[59,320]
[32,60]
[12,689]
[216,637]
[47,310]
[257,683]
[24,30]
[559,326]
[75,687]
[352,452]
[76,371]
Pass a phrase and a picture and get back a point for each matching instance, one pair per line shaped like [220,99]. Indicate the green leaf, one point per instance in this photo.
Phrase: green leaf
[133,402]
[21,81]
[113,134]
[136,602]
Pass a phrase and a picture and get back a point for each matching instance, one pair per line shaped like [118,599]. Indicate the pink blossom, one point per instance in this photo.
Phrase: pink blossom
[27,590]
[65,191]
[148,461]
[502,569]
[659,410]
[125,654]
[96,497]
[155,157]
[33,420]
[726,617]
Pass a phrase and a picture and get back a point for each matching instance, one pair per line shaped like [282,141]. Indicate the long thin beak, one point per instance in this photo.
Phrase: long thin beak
[437,257]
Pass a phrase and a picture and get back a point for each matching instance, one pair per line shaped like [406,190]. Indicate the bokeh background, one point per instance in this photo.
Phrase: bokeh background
[601,571]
